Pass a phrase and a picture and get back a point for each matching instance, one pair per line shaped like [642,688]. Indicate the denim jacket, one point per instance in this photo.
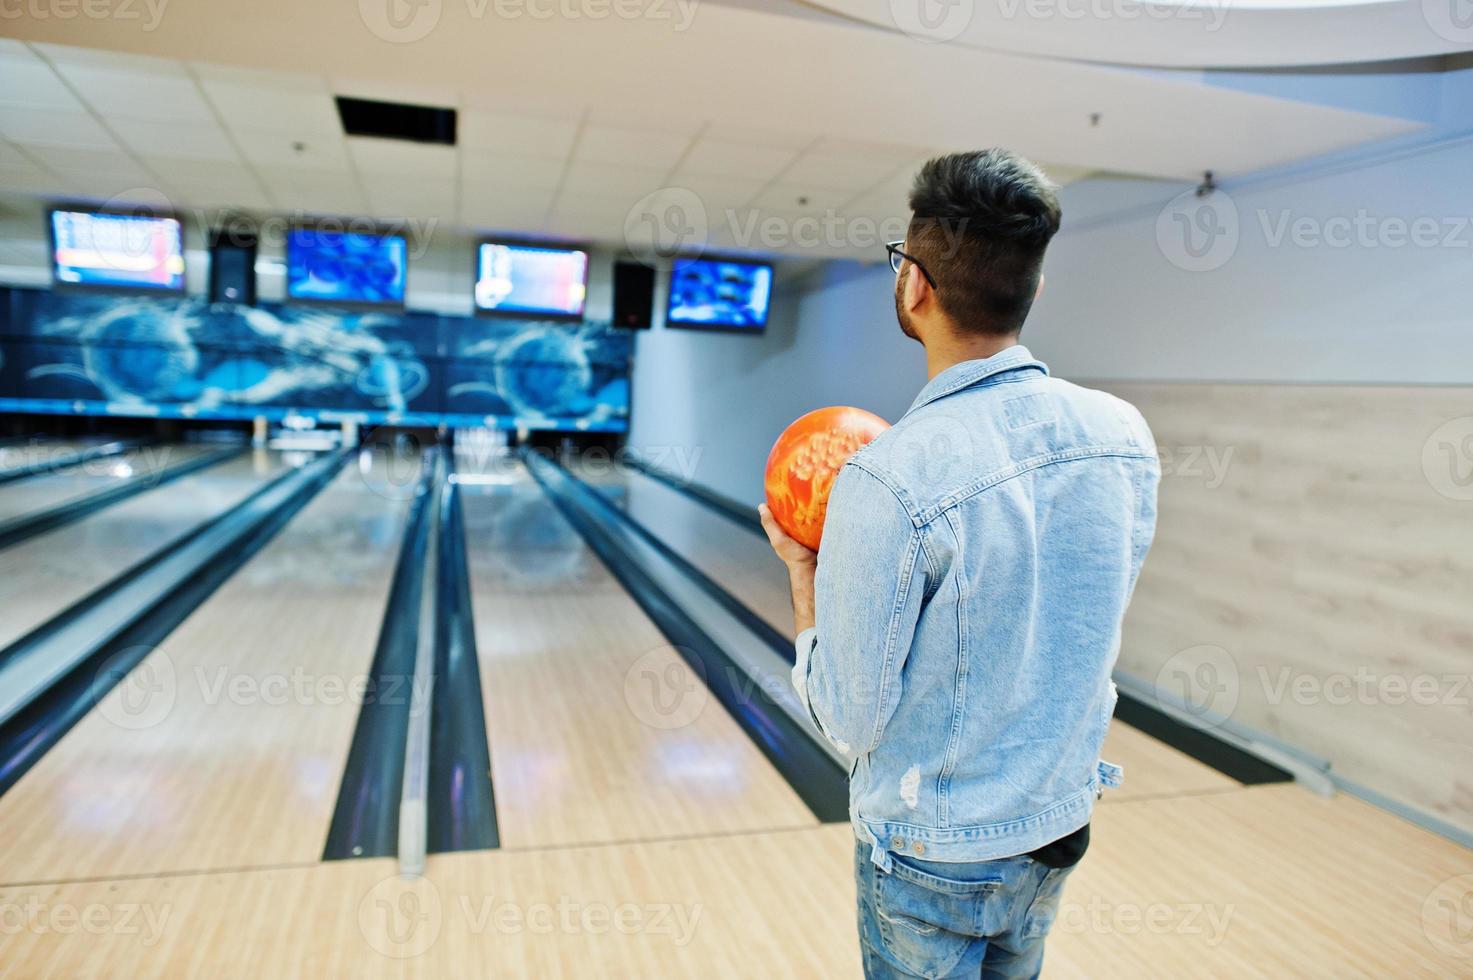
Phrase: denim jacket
[976,564]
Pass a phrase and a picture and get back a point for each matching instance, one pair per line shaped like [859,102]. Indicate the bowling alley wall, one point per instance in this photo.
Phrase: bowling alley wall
[1311,586]
[111,353]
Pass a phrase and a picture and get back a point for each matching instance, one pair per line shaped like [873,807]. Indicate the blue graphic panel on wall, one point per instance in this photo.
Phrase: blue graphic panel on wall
[143,356]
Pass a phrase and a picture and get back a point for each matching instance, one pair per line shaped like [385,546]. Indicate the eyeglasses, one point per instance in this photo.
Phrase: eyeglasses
[899,258]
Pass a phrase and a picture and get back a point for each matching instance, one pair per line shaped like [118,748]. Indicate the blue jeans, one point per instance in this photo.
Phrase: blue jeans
[932,919]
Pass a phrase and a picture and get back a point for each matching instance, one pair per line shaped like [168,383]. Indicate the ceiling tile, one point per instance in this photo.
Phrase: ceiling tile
[250,78]
[491,198]
[130,94]
[788,199]
[190,141]
[512,219]
[630,147]
[263,106]
[746,136]
[840,170]
[275,148]
[487,166]
[30,180]
[83,160]
[722,159]
[31,82]
[404,199]
[220,197]
[624,183]
[525,135]
[663,117]
[186,170]
[51,126]
[63,54]
[406,161]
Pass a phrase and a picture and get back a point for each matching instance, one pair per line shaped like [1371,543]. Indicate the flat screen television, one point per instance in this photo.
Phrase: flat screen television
[531,280]
[346,268]
[117,251]
[718,294]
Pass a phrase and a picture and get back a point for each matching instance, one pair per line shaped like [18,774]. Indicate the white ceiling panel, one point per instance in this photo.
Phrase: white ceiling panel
[508,132]
[490,198]
[627,184]
[276,148]
[484,166]
[719,158]
[194,142]
[406,162]
[27,80]
[23,124]
[132,94]
[289,109]
[630,147]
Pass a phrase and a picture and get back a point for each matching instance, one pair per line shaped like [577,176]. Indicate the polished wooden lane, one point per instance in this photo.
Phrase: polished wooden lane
[1265,881]
[66,485]
[598,729]
[733,556]
[225,747]
[53,570]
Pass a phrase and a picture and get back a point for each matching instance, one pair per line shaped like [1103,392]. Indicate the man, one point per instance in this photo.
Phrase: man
[958,628]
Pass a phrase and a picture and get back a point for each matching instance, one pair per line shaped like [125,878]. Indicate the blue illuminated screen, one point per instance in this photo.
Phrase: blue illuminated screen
[117,251]
[530,280]
[345,267]
[714,293]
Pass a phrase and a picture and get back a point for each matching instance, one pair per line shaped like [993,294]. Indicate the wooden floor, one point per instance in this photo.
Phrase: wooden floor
[632,846]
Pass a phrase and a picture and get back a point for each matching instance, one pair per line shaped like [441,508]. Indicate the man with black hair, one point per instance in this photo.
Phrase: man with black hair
[958,629]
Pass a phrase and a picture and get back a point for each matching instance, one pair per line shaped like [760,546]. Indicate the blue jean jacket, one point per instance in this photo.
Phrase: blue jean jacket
[976,564]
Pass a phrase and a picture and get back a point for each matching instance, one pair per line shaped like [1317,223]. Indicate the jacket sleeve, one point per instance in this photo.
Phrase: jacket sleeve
[870,587]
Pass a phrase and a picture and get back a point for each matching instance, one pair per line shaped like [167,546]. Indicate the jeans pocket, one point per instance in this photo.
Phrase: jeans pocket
[1045,905]
[925,922]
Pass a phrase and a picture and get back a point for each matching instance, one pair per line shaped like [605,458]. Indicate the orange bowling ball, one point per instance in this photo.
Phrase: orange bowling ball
[804,461]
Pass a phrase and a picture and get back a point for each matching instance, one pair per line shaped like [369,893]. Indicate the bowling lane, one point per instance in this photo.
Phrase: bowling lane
[224,748]
[51,571]
[598,729]
[66,485]
[734,557]
[42,449]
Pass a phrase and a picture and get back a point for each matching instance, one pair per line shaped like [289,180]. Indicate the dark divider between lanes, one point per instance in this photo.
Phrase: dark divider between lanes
[365,820]
[61,460]
[812,773]
[728,508]
[26,526]
[461,802]
[231,539]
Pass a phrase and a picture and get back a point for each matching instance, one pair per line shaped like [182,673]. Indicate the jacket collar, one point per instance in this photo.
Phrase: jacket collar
[969,373]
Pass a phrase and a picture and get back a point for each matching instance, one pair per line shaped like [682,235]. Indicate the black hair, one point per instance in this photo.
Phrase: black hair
[981,223]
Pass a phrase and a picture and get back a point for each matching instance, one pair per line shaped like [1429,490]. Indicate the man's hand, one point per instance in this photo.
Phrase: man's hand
[802,564]
[789,550]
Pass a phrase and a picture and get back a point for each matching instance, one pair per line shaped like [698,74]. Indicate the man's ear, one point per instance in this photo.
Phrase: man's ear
[1039,291]
[917,289]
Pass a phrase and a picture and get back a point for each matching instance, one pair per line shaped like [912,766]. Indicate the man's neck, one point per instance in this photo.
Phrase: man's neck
[943,352]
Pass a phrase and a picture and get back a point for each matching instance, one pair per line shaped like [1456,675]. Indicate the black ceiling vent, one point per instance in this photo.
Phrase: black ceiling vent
[397,121]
